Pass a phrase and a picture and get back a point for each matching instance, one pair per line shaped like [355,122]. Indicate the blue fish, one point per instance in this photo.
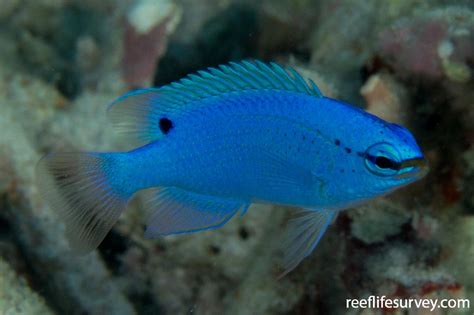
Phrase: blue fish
[213,143]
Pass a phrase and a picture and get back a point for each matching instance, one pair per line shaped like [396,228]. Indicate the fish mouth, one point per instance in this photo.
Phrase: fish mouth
[415,168]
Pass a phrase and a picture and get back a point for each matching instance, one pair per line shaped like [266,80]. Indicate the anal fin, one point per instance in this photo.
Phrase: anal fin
[177,211]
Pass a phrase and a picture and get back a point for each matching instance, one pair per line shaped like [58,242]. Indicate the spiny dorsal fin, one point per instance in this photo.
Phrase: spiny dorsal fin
[240,76]
[138,112]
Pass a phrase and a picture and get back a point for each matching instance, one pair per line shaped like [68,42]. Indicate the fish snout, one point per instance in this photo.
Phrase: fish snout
[415,168]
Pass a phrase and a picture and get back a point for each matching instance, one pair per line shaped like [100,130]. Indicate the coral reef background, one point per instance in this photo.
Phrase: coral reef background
[410,62]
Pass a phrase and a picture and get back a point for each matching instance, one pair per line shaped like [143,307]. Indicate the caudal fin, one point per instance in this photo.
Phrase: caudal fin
[82,189]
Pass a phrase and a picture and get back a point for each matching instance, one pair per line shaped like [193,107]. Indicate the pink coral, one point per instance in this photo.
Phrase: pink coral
[141,52]
[412,46]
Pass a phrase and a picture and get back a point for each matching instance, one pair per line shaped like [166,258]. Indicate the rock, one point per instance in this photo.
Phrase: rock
[456,71]
[458,239]
[425,226]
[398,270]
[229,34]
[16,297]
[88,58]
[8,8]
[286,26]
[468,158]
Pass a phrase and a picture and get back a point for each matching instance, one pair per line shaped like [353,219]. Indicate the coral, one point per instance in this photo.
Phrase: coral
[345,37]
[147,27]
[432,44]
[377,221]
[80,284]
[421,56]
[327,87]
[385,98]
[63,61]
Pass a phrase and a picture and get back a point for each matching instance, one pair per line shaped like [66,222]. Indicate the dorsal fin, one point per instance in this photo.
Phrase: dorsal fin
[138,112]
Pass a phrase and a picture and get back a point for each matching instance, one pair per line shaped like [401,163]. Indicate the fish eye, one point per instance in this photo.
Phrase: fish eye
[384,162]
[382,159]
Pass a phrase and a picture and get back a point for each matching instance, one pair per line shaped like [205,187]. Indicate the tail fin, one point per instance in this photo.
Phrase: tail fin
[80,188]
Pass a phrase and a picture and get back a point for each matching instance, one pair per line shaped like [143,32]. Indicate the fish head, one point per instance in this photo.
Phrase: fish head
[393,161]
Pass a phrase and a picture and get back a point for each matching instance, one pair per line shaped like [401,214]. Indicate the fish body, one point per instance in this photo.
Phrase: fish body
[231,146]
[213,143]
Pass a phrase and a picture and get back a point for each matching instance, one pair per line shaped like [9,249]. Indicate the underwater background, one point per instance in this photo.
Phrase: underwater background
[410,62]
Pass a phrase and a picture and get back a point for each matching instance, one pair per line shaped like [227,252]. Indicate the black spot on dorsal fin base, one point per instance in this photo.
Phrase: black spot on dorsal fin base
[139,112]
[165,125]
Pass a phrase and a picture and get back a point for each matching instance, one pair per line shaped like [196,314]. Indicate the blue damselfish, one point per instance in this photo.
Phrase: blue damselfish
[219,140]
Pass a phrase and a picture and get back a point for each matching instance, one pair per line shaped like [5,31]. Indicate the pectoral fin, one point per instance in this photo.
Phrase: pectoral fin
[304,233]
